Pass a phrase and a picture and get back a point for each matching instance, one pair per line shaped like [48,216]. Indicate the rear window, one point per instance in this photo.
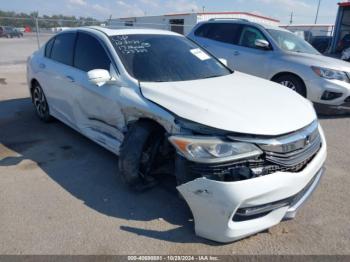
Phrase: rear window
[222,32]
[63,48]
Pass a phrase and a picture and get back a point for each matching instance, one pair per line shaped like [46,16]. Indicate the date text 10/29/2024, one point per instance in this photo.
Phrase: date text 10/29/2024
[173,258]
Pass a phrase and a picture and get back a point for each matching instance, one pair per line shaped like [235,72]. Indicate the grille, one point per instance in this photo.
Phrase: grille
[287,153]
[295,157]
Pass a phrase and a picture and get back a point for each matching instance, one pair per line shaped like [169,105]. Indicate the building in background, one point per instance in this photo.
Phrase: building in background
[312,29]
[183,23]
[341,39]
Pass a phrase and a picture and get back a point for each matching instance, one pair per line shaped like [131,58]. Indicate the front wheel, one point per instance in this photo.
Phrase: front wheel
[40,103]
[138,155]
[292,82]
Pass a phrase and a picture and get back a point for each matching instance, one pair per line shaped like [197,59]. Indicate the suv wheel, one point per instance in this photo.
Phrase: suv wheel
[40,103]
[292,82]
[138,155]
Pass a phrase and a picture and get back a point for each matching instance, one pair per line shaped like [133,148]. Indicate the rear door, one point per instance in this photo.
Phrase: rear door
[220,39]
[57,76]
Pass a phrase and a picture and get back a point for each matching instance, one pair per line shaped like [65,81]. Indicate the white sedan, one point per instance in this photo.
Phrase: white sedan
[246,152]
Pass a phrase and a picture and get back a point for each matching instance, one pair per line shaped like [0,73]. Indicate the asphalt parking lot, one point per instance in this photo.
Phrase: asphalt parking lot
[60,192]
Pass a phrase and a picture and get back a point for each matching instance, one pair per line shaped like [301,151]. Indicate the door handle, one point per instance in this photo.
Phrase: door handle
[236,52]
[42,66]
[70,78]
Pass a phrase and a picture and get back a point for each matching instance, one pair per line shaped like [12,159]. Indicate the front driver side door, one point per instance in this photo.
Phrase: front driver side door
[97,109]
[249,58]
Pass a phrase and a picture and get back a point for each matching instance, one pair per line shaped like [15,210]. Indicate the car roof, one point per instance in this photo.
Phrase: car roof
[131,31]
[244,22]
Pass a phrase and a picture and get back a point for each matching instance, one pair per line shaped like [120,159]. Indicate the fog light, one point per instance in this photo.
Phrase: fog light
[328,95]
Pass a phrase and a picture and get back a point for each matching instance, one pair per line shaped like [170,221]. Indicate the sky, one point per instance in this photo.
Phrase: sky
[304,10]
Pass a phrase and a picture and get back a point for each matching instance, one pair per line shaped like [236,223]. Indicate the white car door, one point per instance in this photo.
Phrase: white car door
[96,108]
[56,76]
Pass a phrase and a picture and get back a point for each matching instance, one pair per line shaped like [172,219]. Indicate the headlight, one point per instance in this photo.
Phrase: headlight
[210,150]
[330,74]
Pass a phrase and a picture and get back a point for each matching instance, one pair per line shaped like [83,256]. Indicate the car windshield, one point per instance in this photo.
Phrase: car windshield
[165,58]
[291,42]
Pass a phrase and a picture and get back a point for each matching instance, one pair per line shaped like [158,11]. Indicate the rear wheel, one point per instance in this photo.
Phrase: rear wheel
[292,82]
[40,103]
[138,155]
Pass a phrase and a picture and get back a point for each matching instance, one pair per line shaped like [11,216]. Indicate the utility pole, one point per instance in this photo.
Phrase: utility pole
[318,9]
[37,29]
[203,8]
[291,18]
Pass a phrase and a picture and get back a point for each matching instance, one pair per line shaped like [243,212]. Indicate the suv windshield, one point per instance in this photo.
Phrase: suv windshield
[291,42]
[165,58]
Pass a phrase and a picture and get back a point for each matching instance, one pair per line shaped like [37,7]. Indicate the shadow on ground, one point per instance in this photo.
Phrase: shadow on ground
[89,173]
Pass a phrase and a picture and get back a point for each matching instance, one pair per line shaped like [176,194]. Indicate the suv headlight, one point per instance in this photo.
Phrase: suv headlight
[330,74]
[213,150]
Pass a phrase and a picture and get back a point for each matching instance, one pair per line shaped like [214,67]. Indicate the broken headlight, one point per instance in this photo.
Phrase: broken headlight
[213,150]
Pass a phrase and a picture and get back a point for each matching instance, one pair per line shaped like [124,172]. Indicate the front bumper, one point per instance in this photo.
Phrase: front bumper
[317,86]
[215,203]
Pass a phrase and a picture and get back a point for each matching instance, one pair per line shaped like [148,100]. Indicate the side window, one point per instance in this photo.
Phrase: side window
[63,48]
[249,36]
[222,32]
[202,31]
[89,54]
[48,47]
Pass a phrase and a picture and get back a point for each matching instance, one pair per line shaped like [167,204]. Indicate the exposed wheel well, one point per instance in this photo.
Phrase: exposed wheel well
[292,74]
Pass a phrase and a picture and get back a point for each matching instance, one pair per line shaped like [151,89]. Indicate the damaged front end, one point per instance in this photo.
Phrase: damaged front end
[236,185]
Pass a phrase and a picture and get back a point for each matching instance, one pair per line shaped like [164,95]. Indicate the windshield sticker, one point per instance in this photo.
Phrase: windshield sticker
[127,46]
[199,54]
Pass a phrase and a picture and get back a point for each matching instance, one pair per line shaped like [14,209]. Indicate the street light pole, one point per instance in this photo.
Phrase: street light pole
[318,9]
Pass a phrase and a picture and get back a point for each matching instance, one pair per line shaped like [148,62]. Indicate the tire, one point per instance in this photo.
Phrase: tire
[292,82]
[8,36]
[138,155]
[40,103]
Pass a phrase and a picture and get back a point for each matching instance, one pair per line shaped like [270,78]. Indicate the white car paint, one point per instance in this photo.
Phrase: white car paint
[228,97]
[236,103]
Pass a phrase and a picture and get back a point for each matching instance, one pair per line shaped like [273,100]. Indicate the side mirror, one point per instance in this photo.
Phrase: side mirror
[262,44]
[99,76]
[224,61]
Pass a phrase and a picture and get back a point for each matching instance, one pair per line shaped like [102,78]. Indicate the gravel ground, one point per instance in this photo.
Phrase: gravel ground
[60,193]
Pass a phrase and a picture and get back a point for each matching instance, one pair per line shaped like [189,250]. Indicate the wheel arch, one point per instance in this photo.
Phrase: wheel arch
[273,78]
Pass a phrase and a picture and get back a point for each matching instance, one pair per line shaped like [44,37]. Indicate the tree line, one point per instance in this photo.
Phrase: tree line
[10,18]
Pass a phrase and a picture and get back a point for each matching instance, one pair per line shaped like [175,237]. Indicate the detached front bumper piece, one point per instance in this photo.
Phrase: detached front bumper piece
[229,211]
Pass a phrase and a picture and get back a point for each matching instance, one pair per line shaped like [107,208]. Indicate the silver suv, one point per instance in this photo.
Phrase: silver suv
[278,55]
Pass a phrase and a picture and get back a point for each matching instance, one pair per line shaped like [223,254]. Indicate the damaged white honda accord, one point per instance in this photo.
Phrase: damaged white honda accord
[246,152]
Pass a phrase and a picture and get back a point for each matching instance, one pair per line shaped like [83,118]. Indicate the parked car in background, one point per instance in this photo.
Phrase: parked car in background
[10,32]
[278,55]
[246,152]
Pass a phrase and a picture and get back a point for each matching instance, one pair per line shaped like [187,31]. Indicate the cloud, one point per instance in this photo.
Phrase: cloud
[77,2]
[182,6]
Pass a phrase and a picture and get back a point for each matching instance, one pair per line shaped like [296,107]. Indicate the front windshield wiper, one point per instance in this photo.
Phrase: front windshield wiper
[211,76]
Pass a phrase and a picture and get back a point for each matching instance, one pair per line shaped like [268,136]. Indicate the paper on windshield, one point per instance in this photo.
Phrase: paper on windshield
[199,54]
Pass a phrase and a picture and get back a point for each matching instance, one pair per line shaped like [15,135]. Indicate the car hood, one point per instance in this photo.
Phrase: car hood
[236,103]
[321,61]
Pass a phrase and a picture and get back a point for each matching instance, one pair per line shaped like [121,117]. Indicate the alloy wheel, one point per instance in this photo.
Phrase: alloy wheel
[40,102]
[289,84]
